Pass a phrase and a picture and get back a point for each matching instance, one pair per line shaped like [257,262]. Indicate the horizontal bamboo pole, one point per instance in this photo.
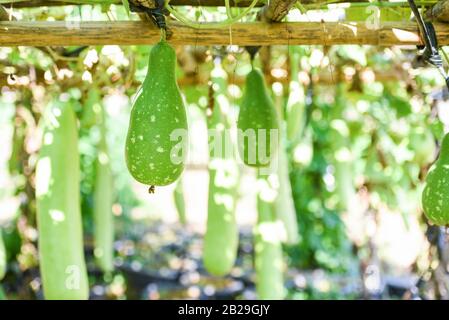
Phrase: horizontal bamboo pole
[65,33]
[51,3]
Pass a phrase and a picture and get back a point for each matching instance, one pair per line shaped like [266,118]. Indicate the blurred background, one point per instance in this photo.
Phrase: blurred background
[363,125]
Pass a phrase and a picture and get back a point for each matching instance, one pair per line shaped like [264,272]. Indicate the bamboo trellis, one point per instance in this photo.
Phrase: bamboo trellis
[268,32]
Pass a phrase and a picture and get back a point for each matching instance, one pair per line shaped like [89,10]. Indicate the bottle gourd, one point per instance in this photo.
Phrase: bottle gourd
[61,254]
[157,135]
[435,197]
[267,245]
[103,200]
[221,238]
[180,204]
[257,123]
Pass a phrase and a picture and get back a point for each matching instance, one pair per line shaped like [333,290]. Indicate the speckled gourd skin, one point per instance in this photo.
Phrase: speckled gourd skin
[435,197]
[58,212]
[256,112]
[158,110]
[221,238]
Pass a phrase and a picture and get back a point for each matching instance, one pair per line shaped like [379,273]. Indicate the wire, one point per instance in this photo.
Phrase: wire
[428,35]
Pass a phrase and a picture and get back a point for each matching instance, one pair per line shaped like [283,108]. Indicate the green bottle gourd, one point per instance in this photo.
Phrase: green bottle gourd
[257,123]
[61,254]
[285,205]
[2,256]
[103,200]
[435,197]
[180,204]
[295,109]
[156,143]
[91,108]
[343,164]
[344,185]
[221,238]
[267,246]
[14,164]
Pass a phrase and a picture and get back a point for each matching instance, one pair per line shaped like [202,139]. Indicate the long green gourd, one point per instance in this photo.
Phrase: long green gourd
[257,118]
[178,196]
[435,197]
[267,246]
[91,108]
[2,256]
[103,200]
[156,144]
[285,206]
[14,163]
[221,238]
[343,164]
[295,109]
[61,254]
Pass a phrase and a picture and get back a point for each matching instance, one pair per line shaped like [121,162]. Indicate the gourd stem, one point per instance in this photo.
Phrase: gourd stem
[163,35]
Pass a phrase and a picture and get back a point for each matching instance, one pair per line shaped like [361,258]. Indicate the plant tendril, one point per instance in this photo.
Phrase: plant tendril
[222,24]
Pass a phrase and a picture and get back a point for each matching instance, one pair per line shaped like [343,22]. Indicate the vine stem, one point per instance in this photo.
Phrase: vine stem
[222,24]
[228,9]
[163,35]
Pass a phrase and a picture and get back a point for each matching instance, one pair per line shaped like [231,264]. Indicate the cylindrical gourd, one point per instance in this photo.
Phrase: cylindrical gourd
[221,238]
[180,204]
[267,245]
[296,104]
[61,254]
[103,200]
[285,206]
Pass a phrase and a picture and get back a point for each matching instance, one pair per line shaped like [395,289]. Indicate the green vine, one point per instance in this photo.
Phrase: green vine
[222,24]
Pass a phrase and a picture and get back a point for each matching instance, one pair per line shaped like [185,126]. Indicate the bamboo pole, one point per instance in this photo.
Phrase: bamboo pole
[196,3]
[51,3]
[65,33]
